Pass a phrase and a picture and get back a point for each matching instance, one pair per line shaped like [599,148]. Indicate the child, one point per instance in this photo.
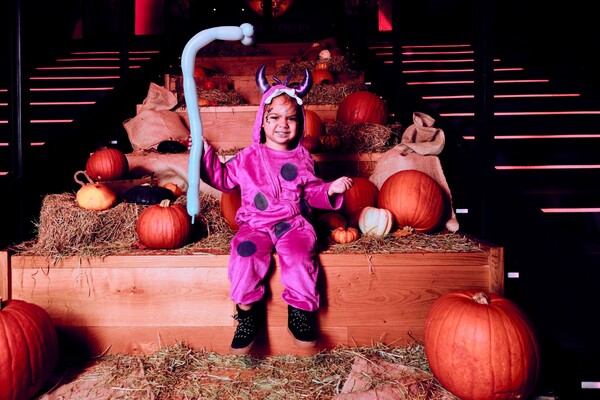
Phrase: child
[278,184]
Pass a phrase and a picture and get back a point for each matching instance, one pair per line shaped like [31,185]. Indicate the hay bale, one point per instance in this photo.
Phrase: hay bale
[365,138]
[333,93]
[65,229]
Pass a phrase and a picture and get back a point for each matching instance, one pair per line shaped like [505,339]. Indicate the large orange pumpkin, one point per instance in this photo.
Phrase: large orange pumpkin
[415,199]
[313,128]
[363,193]
[29,349]
[362,107]
[230,203]
[164,226]
[481,346]
[107,164]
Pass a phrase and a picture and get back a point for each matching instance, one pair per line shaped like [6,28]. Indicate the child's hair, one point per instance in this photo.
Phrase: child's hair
[299,118]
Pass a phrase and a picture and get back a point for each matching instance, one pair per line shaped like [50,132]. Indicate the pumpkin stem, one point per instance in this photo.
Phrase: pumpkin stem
[165,203]
[481,298]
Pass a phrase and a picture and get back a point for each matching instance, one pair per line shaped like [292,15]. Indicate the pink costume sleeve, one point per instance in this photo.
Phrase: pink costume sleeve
[215,173]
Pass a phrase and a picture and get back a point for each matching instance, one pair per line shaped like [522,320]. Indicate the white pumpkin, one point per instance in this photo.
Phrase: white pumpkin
[375,221]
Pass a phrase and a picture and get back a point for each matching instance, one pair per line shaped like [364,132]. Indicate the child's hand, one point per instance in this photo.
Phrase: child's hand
[340,185]
[203,140]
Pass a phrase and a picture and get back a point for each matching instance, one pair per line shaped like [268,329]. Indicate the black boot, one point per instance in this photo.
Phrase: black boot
[302,326]
[246,331]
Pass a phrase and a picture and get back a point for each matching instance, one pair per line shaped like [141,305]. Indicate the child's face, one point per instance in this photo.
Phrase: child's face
[280,122]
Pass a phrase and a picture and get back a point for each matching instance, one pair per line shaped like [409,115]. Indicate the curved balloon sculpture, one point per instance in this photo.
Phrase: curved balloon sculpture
[245,33]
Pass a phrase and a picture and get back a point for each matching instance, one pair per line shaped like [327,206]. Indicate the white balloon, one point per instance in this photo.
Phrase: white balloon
[244,33]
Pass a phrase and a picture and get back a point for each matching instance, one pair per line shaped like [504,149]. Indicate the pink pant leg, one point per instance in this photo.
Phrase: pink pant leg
[299,271]
[249,263]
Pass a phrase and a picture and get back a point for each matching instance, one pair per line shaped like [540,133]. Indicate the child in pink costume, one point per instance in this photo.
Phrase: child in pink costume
[278,184]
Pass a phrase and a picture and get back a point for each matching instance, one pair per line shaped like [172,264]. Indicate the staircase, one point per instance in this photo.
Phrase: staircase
[529,182]
[70,106]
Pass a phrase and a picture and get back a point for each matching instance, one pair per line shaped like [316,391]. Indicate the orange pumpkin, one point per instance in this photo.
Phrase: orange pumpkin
[362,107]
[345,235]
[415,199]
[164,226]
[230,203]
[29,349]
[95,196]
[322,76]
[363,193]
[107,164]
[313,129]
[173,187]
[481,346]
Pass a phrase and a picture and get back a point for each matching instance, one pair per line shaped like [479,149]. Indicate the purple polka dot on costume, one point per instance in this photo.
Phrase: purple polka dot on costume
[260,202]
[289,172]
[246,248]
[281,228]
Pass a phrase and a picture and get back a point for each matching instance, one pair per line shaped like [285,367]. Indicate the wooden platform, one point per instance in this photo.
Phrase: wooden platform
[229,127]
[243,65]
[245,85]
[137,304]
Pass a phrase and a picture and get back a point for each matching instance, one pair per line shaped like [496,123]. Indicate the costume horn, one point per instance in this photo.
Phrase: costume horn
[304,87]
[261,79]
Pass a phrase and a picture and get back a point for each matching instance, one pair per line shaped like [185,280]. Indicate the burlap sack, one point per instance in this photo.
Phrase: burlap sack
[159,98]
[420,144]
[155,121]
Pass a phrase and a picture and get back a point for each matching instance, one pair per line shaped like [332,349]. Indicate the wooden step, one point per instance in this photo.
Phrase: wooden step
[137,304]
[230,127]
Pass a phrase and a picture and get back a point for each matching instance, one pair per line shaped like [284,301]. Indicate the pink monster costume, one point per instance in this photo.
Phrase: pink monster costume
[277,188]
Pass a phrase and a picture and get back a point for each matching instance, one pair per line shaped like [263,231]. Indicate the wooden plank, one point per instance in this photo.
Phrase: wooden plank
[230,127]
[290,49]
[96,340]
[331,166]
[137,296]
[199,260]
[140,303]
[245,85]
[5,276]
[243,65]
[496,264]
